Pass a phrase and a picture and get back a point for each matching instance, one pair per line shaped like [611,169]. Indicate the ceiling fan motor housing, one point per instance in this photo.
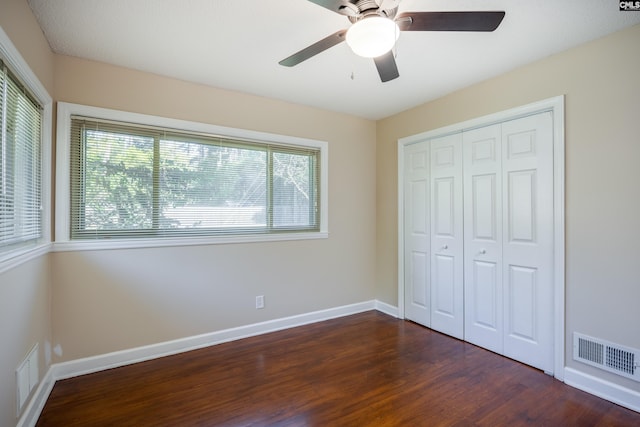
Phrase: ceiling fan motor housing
[366,8]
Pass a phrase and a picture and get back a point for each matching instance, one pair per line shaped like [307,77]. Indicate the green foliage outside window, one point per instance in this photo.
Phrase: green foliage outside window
[129,182]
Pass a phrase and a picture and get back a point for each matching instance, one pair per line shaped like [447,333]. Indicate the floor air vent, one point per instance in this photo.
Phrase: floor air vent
[608,356]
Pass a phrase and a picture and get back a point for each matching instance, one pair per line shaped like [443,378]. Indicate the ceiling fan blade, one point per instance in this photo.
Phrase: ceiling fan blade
[386,65]
[343,7]
[314,49]
[449,21]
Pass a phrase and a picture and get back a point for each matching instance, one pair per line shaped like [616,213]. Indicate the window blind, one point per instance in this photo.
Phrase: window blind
[20,164]
[136,181]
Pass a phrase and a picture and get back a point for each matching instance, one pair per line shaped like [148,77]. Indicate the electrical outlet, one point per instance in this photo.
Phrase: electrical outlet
[260,301]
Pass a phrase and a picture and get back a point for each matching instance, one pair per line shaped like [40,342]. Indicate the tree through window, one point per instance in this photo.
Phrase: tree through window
[136,181]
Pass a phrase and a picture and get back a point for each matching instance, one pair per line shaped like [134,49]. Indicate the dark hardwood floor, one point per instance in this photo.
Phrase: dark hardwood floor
[367,369]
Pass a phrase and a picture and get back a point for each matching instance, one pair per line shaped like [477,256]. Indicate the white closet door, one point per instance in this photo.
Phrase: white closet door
[447,282]
[416,233]
[483,237]
[527,234]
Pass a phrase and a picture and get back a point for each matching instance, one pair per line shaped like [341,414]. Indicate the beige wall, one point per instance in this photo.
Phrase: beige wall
[17,20]
[111,300]
[25,317]
[101,301]
[602,88]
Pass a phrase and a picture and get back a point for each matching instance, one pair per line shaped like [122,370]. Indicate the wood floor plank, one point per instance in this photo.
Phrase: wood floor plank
[367,369]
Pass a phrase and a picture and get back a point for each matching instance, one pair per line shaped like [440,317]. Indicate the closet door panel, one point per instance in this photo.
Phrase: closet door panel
[444,298]
[528,240]
[447,281]
[444,207]
[417,234]
[484,193]
[523,285]
[521,196]
[483,323]
[485,309]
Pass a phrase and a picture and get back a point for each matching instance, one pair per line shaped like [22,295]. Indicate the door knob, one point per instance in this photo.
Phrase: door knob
[483,251]
[445,247]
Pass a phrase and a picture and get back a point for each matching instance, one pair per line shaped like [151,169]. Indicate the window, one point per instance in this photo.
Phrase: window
[147,178]
[21,212]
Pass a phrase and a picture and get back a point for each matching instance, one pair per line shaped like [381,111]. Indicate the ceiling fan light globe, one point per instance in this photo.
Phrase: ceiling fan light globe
[372,36]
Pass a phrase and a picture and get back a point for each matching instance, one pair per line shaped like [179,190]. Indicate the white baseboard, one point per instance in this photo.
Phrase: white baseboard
[604,389]
[385,308]
[36,404]
[101,362]
[73,368]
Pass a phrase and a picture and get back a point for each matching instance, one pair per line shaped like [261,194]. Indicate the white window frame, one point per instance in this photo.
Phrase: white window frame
[12,58]
[63,173]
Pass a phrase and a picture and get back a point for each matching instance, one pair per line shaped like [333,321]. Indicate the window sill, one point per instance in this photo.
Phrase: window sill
[13,259]
[190,241]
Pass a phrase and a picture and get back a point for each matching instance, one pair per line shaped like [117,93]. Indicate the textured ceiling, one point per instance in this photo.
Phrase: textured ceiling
[237,44]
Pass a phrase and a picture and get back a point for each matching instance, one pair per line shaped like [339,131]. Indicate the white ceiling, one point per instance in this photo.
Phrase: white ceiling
[236,45]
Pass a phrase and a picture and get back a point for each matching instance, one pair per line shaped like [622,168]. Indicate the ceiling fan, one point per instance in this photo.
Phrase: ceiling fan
[376,27]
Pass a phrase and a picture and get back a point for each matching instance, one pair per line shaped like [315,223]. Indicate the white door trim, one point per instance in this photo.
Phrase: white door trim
[556,106]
